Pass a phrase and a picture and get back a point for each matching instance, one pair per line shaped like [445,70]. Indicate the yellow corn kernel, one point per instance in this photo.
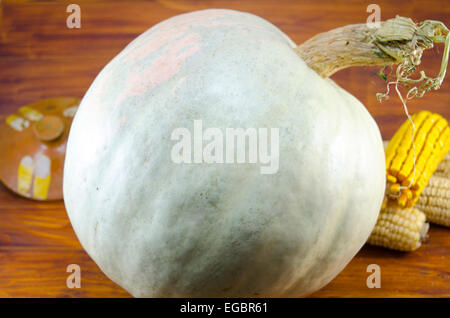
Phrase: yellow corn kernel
[399,229]
[391,179]
[385,202]
[408,194]
[402,200]
[394,188]
[435,200]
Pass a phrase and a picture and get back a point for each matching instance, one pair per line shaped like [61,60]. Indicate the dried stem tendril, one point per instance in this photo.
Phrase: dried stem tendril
[431,32]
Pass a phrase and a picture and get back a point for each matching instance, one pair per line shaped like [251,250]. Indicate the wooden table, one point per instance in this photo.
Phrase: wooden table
[40,58]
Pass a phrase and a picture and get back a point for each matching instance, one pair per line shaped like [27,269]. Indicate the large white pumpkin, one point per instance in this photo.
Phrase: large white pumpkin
[159,228]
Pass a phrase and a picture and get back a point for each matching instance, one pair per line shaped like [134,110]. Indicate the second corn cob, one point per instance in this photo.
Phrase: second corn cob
[435,200]
[399,229]
[404,229]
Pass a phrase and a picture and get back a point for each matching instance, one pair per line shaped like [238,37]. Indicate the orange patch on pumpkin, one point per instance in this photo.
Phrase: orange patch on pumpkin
[165,66]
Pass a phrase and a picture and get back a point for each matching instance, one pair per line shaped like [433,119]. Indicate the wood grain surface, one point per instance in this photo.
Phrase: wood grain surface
[41,58]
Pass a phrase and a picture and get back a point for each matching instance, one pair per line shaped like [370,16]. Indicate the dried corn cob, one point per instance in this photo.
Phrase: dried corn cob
[431,143]
[443,168]
[435,200]
[399,229]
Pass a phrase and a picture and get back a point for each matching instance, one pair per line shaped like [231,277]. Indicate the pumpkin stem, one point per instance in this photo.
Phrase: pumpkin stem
[396,41]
